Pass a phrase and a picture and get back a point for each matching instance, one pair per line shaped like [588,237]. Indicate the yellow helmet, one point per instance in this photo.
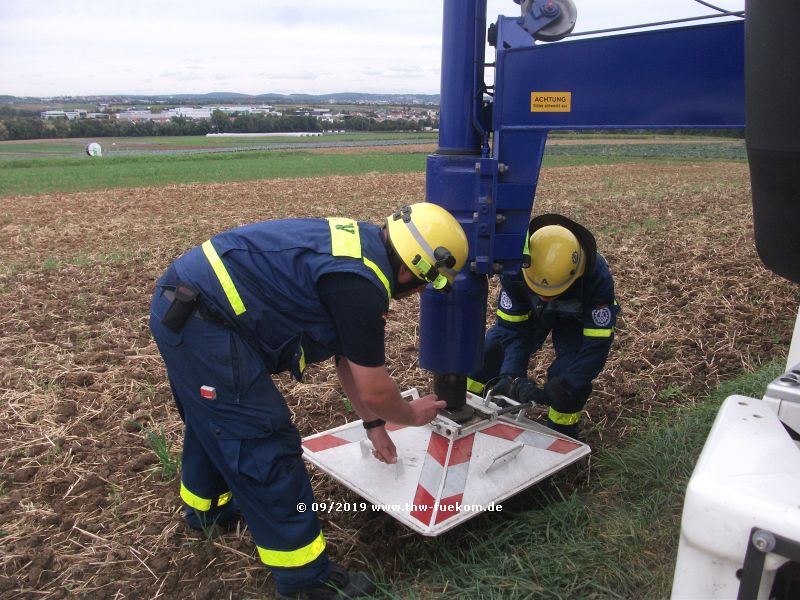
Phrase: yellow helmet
[554,257]
[429,241]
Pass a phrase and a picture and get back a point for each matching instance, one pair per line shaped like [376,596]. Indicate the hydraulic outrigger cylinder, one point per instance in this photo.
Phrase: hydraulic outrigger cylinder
[454,324]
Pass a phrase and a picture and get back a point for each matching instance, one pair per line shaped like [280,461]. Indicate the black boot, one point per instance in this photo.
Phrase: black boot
[572,431]
[341,583]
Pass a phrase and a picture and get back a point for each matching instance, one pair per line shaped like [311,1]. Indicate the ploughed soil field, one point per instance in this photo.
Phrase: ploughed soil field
[87,508]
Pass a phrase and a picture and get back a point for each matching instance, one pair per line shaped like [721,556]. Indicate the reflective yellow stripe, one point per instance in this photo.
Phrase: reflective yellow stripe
[203,504]
[380,275]
[224,278]
[476,387]
[563,418]
[512,318]
[345,237]
[293,558]
[195,502]
[346,241]
[598,332]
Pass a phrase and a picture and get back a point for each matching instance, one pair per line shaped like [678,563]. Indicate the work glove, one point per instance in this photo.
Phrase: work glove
[502,387]
[525,390]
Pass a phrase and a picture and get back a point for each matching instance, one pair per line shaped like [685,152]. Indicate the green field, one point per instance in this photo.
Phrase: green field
[20,150]
[75,174]
[66,174]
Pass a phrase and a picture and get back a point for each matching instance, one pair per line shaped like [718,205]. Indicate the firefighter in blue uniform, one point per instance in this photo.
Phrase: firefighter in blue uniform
[272,297]
[565,289]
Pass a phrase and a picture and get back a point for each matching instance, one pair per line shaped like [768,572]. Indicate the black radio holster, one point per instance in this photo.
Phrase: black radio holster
[183,305]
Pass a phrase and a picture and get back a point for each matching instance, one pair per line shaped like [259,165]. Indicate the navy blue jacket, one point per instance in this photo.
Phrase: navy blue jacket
[262,280]
[581,320]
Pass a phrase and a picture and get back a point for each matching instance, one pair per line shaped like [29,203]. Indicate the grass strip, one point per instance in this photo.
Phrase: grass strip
[40,176]
[25,177]
[732,150]
[617,539]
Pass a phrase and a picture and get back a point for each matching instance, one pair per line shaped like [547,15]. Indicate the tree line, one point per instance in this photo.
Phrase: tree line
[26,125]
[18,127]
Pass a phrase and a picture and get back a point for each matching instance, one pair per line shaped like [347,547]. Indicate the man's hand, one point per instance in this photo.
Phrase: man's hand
[384,449]
[374,394]
[525,390]
[425,409]
[502,387]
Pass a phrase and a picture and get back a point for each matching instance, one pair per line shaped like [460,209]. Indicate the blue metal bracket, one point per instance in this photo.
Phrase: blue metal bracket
[683,77]
[540,15]
[519,32]
[688,77]
[485,217]
[510,34]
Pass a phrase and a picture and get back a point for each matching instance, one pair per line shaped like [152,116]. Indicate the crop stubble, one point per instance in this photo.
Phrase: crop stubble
[82,508]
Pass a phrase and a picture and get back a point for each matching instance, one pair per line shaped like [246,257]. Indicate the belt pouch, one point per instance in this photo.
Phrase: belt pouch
[182,307]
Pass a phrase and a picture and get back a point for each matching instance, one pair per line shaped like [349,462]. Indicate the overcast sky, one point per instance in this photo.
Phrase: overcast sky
[75,47]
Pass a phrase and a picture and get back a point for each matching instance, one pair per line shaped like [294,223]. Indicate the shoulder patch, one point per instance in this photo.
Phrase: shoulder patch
[601,316]
[505,301]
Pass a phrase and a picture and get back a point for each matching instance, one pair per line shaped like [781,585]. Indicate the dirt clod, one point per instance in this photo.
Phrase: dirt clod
[24,474]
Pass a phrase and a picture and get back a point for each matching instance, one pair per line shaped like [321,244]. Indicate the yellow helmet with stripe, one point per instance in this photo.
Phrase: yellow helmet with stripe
[556,254]
[429,241]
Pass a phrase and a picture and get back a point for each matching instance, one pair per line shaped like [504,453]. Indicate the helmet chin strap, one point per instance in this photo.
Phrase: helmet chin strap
[395,262]
[401,288]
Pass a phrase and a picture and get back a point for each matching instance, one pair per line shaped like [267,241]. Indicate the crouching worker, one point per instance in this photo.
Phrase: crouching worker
[564,288]
[272,297]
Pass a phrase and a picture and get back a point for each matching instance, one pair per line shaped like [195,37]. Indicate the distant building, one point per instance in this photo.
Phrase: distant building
[323,114]
[135,115]
[188,112]
[264,109]
[62,114]
[193,113]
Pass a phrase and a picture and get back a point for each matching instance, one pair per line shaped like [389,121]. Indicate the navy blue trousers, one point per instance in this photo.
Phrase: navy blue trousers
[242,446]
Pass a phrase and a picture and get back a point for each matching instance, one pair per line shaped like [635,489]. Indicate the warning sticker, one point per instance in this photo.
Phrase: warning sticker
[551,101]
